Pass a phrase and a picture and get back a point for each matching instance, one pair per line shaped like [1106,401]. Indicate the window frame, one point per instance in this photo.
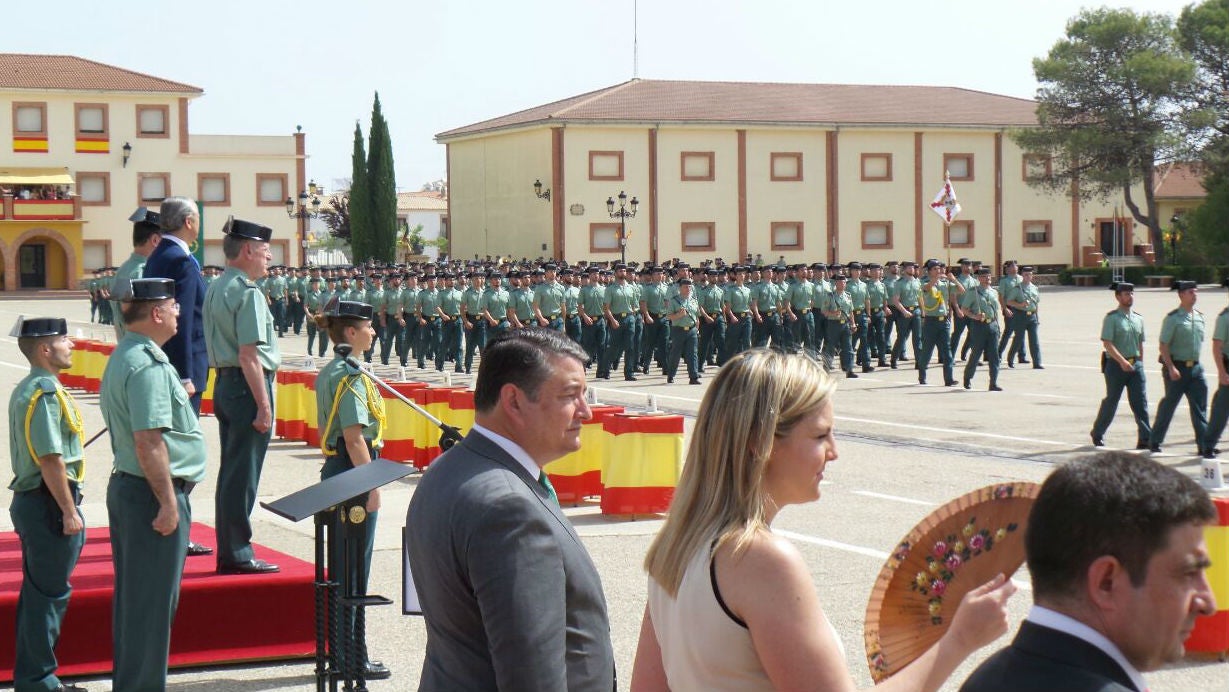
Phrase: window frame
[106,121]
[711,226]
[947,166]
[1049,226]
[166,184]
[772,235]
[105,176]
[166,121]
[42,106]
[869,246]
[772,166]
[947,233]
[875,178]
[598,153]
[200,189]
[603,225]
[711,156]
[285,180]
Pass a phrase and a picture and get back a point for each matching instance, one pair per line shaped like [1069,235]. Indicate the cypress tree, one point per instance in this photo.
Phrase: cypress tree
[361,242]
[382,184]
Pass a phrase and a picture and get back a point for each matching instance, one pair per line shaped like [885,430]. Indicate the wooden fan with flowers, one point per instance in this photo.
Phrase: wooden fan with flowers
[955,549]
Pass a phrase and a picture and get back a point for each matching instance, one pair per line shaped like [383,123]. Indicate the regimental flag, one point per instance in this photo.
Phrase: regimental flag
[945,204]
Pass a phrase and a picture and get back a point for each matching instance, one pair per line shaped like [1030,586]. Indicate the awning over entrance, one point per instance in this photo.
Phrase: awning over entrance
[35,176]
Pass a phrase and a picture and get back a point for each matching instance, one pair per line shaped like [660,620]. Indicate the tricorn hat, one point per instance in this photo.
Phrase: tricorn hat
[247,229]
[33,327]
[149,289]
[146,216]
[348,309]
[1183,285]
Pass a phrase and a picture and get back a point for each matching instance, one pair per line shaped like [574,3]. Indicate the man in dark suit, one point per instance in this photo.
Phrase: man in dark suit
[511,598]
[1116,553]
[172,259]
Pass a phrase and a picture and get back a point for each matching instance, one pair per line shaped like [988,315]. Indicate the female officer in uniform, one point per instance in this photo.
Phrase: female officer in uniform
[351,421]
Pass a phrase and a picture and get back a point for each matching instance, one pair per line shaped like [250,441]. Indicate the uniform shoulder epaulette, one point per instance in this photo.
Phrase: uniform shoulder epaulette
[47,384]
[156,353]
[1174,311]
[1113,311]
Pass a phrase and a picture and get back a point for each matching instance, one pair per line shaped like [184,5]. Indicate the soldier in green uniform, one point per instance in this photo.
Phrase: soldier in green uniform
[313,304]
[618,307]
[106,315]
[1182,334]
[906,292]
[146,234]
[960,323]
[571,304]
[239,336]
[737,309]
[428,322]
[877,322]
[494,306]
[471,318]
[891,272]
[589,309]
[684,320]
[449,309]
[93,289]
[799,302]
[935,313]
[981,306]
[766,307]
[277,299]
[1220,401]
[159,452]
[1122,364]
[389,316]
[838,309]
[375,298]
[1024,298]
[859,296]
[712,326]
[1007,286]
[45,430]
[548,300]
[408,318]
[296,286]
[351,419]
[656,342]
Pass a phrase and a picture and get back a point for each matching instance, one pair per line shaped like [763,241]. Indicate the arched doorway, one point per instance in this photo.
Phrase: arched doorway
[41,263]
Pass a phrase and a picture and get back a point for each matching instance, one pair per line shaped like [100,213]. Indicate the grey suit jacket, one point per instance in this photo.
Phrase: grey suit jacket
[1041,659]
[511,599]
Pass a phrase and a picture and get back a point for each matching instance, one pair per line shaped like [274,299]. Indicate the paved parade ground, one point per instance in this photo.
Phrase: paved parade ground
[904,450]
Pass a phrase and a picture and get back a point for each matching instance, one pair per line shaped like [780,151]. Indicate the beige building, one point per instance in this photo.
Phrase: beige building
[802,172]
[99,141]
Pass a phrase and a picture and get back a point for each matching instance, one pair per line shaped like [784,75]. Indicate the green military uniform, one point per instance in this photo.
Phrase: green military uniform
[132,268]
[571,311]
[450,330]
[766,297]
[861,318]
[712,334]
[1183,333]
[429,326]
[475,332]
[1024,322]
[935,315]
[737,301]
[683,337]
[549,299]
[393,330]
[141,391]
[877,296]
[43,420]
[1125,330]
[656,342]
[621,301]
[409,314]
[1220,401]
[593,335]
[375,298]
[838,309]
[313,302]
[982,307]
[234,316]
[907,289]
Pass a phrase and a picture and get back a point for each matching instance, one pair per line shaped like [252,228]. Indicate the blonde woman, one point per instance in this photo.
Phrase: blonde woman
[731,605]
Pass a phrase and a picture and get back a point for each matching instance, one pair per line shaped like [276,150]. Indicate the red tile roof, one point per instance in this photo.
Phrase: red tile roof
[654,101]
[70,73]
[1179,181]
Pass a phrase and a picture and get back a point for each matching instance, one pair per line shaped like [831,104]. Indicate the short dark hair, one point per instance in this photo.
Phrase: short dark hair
[523,358]
[1109,503]
[141,233]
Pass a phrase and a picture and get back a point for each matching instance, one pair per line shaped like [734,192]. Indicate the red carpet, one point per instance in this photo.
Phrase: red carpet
[221,618]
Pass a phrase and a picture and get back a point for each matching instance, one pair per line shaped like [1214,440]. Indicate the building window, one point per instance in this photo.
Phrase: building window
[786,235]
[94,189]
[876,235]
[1037,167]
[876,167]
[1038,234]
[91,120]
[960,234]
[213,189]
[699,236]
[153,121]
[271,189]
[603,237]
[605,165]
[30,119]
[153,187]
[785,165]
[958,166]
[697,165]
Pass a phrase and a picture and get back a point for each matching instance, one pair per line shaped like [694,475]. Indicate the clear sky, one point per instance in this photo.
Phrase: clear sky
[269,65]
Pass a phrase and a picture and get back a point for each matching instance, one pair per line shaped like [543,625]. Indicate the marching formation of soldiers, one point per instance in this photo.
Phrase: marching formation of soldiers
[638,317]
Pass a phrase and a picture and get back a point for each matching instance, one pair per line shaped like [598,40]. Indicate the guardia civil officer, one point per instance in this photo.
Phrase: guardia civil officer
[935,313]
[982,308]
[1122,364]
[242,343]
[1181,341]
[159,452]
[351,419]
[1220,401]
[146,236]
[45,431]
[683,313]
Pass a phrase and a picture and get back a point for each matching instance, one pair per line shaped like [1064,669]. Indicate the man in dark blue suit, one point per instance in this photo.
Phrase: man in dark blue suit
[1116,553]
[172,259]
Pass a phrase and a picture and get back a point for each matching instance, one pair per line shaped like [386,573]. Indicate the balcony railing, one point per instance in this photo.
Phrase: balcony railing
[41,209]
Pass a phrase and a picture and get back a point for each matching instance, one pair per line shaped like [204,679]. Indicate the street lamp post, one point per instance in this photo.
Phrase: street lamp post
[308,207]
[1174,230]
[623,213]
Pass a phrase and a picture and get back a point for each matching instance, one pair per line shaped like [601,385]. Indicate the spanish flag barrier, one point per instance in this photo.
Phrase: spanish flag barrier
[631,461]
[1211,634]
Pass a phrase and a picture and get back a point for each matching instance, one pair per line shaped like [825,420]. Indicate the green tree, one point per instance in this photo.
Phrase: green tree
[361,226]
[382,184]
[1203,31]
[1113,103]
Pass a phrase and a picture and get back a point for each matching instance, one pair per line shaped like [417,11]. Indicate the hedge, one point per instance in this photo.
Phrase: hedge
[1204,274]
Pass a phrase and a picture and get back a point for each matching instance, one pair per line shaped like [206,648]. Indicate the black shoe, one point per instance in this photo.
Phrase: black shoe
[1155,449]
[894,361]
[629,378]
[694,381]
[1097,440]
[851,375]
[968,384]
[921,379]
[1038,367]
[1208,455]
[195,549]
[904,359]
[883,363]
[69,687]
[1141,445]
[374,670]
[603,376]
[669,380]
[949,383]
[1011,365]
[1023,361]
[995,388]
[249,567]
[867,368]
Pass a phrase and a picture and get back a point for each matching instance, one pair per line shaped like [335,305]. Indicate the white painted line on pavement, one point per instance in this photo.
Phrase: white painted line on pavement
[950,430]
[1049,396]
[894,498]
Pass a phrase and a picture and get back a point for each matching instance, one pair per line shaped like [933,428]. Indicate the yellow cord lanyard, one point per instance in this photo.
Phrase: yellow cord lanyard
[375,406]
[934,293]
[72,418]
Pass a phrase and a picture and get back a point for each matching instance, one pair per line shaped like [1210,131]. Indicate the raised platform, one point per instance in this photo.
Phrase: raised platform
[221,618]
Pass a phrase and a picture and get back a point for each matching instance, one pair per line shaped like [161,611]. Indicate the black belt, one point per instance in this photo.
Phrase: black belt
[743,314]
[183,486]
[1186,363]
[941,318]
[803,310]
[659,316]
[228,370]
[686,329]
[42,489]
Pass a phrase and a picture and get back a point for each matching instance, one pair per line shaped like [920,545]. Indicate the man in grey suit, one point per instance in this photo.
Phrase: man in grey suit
[1116,552]
[511,599]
